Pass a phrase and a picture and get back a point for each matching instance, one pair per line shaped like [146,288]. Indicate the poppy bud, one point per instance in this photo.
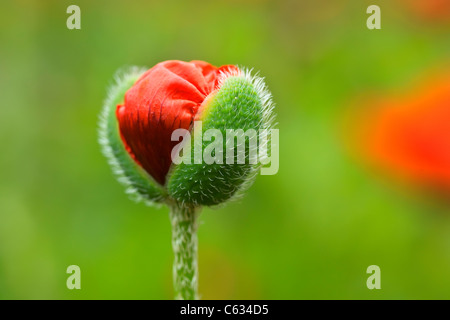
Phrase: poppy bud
[143,110]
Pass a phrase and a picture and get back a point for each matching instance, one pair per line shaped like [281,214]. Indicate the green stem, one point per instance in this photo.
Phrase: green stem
[184,243]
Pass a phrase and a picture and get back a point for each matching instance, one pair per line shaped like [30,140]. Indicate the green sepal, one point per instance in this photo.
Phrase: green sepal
[242,102]
[139,184]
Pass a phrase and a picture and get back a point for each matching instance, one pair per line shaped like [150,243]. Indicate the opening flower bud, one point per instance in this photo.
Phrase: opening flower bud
[140,117]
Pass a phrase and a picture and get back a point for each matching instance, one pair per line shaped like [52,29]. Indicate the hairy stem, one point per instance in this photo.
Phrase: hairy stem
[184,243]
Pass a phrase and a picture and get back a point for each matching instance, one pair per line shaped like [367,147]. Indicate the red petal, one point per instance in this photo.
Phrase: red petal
[165,98]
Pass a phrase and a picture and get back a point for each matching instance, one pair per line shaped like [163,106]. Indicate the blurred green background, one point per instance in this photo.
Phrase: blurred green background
[308,232]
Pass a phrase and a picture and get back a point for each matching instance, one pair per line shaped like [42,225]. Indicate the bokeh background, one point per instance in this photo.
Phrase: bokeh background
[309,232]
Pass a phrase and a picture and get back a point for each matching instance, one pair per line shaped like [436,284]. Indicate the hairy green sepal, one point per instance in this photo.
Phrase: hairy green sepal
[139,184]
[236,105]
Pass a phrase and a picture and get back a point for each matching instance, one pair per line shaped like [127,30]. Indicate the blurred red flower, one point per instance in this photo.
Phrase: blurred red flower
[430,9]
[409,137]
